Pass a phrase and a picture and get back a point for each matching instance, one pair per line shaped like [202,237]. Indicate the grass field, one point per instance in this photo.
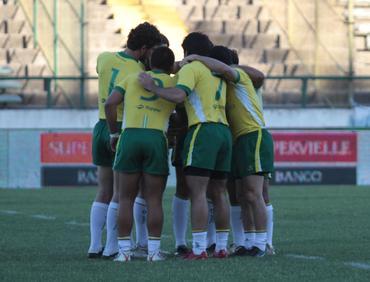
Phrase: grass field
[321,233]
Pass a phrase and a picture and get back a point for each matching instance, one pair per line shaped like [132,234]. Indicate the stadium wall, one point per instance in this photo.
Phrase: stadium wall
[40,148]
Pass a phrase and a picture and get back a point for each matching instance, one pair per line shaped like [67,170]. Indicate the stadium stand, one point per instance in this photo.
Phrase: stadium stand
[261,31]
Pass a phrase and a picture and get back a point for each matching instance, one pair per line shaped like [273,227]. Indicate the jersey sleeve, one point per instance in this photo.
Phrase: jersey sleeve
[186,79]
[243,78]
[121,86]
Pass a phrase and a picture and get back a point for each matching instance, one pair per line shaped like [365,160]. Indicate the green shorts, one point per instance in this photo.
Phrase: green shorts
[142,150]
[253,153]
[101,151]
[208,146]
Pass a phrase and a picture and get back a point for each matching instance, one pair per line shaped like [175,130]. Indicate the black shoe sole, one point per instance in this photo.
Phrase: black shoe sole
[112,256]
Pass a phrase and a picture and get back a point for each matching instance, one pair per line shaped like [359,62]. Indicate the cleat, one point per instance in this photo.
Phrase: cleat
[182,250]
[255,252]
[232,248]
[220,254]
[270,250]
[156,256]
[109,257]
[123,256]
[239,251]
[192,256]
[211,248]
[95,255]
[140,252]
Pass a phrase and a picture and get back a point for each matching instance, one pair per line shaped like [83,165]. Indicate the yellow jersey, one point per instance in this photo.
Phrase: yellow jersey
[206,94]
[143,109]
[244,106]
[111,67]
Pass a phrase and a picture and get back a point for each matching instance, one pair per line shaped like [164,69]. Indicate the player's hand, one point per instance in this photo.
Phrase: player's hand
[113,143]
[146,81]
[188,59]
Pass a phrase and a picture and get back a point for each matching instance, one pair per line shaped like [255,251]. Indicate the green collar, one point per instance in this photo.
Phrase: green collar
[127,56]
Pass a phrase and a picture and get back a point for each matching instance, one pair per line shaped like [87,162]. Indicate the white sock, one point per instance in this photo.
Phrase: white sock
[270,223]
[221,240]
[237,226]
[111,245]
[199,242]
[154,244]
[140,213]
[261,240]
[211,232]
[250,237]
[124,244]
[98,215]
[180,217]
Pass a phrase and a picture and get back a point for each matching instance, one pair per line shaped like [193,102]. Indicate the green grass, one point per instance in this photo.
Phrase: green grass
[330,222]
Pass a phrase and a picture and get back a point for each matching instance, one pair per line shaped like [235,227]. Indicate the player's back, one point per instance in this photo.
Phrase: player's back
[207,100]
[244,106]
[143,109]
[112,67]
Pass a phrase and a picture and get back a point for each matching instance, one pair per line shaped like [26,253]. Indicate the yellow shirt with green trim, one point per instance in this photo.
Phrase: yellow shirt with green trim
[112,67]
[143,109]
[206,94]
[244,106]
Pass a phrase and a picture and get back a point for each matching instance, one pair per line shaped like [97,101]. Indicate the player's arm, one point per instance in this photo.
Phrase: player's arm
[255,75]
[214,65]
[172,94]
[110,107]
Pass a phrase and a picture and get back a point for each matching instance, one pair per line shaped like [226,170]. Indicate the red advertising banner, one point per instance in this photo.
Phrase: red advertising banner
[315,146]
[63,148]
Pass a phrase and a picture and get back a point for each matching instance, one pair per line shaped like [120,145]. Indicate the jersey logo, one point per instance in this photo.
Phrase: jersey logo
[141,106]
[154,97]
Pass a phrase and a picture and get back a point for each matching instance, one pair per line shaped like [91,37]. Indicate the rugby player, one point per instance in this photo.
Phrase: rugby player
[205,163]
[253,146]
[112,66]
[142,150]
[140,207]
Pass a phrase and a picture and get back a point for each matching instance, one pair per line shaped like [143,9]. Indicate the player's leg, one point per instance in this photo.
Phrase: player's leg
[111,245]
[221,213]
[235,214]
[180,212]
[99,210]
[103,158]
[140,217]
[270,217]
[128,190]
[211,230]
[153,188]
[197,181]
[180,201]
[252,187]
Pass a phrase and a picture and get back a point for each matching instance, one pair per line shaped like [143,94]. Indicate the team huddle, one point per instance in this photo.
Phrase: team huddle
[209,110]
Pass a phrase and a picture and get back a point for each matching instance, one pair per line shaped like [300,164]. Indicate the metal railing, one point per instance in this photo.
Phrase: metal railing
[304,88]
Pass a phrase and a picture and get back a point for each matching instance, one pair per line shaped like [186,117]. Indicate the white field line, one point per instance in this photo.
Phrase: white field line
[10,212]
[296,256]
[43,216]
[76,223]
[358,265]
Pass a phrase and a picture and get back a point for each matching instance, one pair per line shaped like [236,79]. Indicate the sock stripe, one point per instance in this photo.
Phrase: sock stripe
[198,231]
[124,238]
[249,231]
[260,231]
[154,238]
[268,204]
[222,230]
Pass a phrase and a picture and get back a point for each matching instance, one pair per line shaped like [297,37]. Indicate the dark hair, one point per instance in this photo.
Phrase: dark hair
[164,40]
[162,58]
[144,34]
[222,54]
[234,57]
[197,43]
